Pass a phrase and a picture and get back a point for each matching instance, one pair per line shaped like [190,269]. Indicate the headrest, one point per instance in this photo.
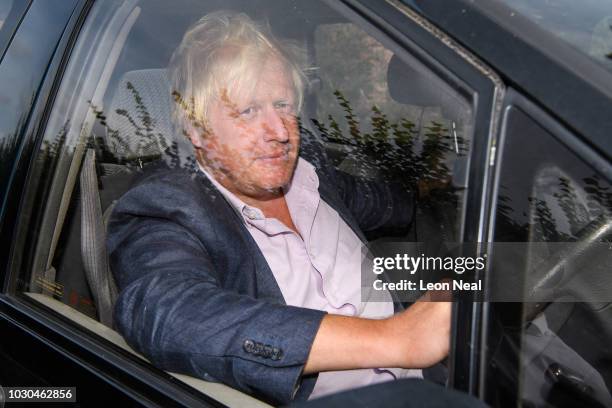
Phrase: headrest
[139,120]
[410,84]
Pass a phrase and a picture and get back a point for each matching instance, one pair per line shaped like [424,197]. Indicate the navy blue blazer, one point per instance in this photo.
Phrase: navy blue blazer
[197,295]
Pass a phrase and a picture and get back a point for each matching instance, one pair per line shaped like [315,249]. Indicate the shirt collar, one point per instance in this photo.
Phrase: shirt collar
[246,211]
[304,176]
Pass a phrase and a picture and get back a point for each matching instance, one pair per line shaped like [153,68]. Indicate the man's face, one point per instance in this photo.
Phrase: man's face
[253,140]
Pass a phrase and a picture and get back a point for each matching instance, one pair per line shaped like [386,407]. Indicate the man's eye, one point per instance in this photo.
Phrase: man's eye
[248,112]
[284,107]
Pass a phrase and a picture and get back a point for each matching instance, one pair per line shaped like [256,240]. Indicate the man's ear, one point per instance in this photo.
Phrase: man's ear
[196,136]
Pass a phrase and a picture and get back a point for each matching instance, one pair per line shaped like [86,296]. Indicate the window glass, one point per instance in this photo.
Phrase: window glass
[585,25]
[376,112]
[5,8]
[388,117]
[23,66]
[555,352]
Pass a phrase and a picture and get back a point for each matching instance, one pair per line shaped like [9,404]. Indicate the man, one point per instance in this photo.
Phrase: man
[248,272]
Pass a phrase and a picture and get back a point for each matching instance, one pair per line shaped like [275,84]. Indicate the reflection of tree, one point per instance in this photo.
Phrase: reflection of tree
[545,224]
[568,201]
[9,147]
[391,147]
[599,197]
[50,150]
[141,141]
[508,226]
[578,216]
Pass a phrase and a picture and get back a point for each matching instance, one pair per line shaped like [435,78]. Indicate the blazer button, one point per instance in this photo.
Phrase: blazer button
[277,353]
[249,346]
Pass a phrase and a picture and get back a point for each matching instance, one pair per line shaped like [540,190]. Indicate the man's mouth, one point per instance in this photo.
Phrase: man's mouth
[276,156]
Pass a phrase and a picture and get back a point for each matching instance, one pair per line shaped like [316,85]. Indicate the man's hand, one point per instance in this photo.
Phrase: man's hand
[420,335]
[416,338]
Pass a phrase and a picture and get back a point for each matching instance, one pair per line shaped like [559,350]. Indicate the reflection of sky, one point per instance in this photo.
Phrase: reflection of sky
[27,47]
[5,8]
[585,24]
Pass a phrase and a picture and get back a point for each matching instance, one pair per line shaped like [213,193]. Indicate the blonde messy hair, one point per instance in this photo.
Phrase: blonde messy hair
[220,54]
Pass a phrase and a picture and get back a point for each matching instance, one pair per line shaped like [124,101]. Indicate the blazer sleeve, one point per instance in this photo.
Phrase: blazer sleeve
[377,206]
[173,309]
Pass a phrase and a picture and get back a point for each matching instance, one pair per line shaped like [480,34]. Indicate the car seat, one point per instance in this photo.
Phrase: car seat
[138,131]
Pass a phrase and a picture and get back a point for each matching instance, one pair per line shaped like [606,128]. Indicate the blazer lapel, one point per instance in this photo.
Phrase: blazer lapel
[266,286]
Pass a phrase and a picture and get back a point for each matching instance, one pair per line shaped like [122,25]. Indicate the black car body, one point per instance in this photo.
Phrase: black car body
[527,107]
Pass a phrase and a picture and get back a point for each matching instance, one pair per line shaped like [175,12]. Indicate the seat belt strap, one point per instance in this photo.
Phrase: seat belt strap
[93,242]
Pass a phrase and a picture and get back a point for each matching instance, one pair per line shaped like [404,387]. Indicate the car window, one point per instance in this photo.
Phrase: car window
[31,45]
[11,13]
[553,229]
[377,111]
[386,117]
[585,25]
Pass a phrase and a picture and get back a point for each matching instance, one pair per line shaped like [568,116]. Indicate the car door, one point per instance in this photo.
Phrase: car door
[391,98]
[549,342]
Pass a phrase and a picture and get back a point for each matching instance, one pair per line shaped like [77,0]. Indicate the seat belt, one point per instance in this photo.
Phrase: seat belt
[93,243]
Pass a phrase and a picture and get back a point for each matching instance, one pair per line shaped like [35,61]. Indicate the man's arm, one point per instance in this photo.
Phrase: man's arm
[182,320]
[415,338]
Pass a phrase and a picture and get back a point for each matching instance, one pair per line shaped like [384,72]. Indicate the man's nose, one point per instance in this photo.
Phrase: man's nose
[275,126]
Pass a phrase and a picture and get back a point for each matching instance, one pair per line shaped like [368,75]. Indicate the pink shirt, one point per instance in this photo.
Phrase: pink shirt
[318,269]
